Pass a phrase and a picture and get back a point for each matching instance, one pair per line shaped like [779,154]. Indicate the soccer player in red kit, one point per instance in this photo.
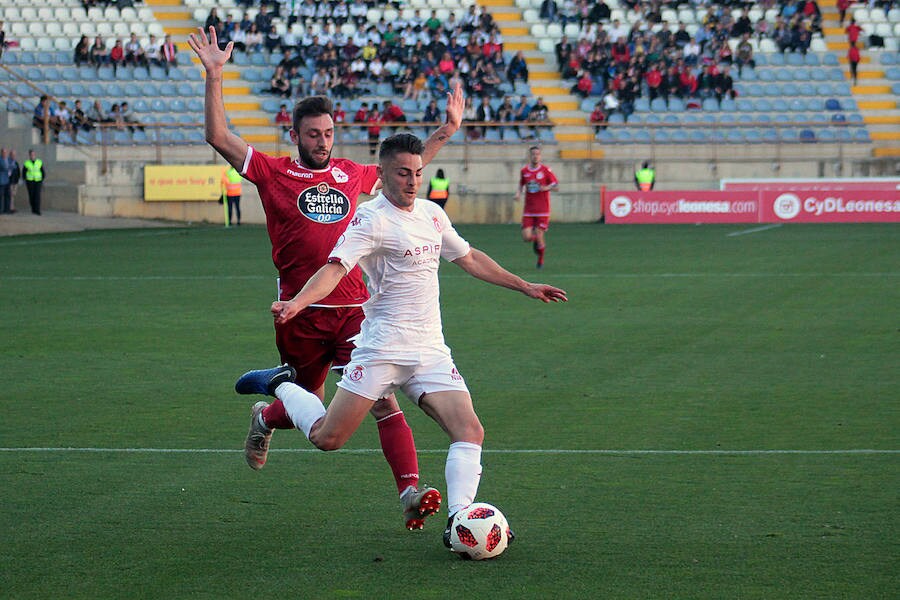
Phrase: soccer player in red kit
[536,180]
[309,202]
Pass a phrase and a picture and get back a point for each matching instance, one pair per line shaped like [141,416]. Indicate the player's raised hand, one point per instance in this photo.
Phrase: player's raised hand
[284,311]
[545,293]
[455,105]
[212,57]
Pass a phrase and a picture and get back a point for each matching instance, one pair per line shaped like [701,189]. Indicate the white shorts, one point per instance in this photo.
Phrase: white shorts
[374,379]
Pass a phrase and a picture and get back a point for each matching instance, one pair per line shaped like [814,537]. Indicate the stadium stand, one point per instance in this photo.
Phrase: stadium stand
[785,97]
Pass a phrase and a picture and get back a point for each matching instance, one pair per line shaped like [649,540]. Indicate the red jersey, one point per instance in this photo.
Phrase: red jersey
[306,212]
[537,203]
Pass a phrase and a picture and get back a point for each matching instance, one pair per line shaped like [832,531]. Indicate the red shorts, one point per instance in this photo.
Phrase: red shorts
[536,222]
[316,339]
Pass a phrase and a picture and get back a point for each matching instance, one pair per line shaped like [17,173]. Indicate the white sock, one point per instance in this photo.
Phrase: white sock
[463,473]
[304,408]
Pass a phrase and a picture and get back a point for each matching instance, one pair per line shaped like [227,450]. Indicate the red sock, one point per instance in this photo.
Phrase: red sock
[276,417]
[540,251]
[399,449]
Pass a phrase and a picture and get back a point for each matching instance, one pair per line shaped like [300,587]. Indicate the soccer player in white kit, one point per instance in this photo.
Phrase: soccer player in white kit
[398,240]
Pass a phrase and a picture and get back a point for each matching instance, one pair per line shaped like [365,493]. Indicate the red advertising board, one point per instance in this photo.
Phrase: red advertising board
[684,206]
[849,206]
[868,183]
[780,205]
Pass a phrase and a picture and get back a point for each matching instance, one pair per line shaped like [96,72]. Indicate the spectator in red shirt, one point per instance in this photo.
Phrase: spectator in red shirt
[374,120]
[598,117]
[654,80]
[620,52]
[117,56]
[362,114]
[284,118]
[842,6]
[584,85]
[853,30]
[853,59]
[688,85]
[340,115]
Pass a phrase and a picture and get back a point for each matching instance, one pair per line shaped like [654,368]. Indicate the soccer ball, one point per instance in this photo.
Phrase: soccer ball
[479,531]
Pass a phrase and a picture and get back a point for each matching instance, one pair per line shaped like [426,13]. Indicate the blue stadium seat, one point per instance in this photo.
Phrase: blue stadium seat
[157,105]
[849,104]
[794,60]
[651,119]
[776,60]
[784,75]
[258,60]
[811,60]
[788,134]
[861,135]
[753,136]
[826,134]
[67,74]
[658,105]
[727,105]
[888,59]
[790,90]
[680,136]
[892,73]
[114,90]
[830,60]
[797,105]
[766,75]
[818,75]
[711,105]
[177,74]
[676,105]
[734,136]
[150,90]
[779,105]
[168,90]
[807,136]
[195,105]
[744,105]
[77,90]
[105,74]
[95,90]
[60,90]
[641,104]
[140,106]
[140,74]
[801,74]
[835,75]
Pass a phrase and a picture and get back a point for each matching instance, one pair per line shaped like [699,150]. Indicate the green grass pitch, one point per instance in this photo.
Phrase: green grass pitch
[714,414]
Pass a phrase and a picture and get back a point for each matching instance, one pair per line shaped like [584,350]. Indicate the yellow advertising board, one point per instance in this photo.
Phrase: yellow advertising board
[183,183]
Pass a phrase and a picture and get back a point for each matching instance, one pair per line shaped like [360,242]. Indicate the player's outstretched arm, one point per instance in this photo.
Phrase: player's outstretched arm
[436,141]
[478,264]
[319,285]
[230,146]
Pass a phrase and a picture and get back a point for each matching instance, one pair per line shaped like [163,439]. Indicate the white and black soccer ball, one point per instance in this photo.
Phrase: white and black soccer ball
[479,531]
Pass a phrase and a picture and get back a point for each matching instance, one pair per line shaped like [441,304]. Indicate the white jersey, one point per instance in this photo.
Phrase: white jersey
[399,252]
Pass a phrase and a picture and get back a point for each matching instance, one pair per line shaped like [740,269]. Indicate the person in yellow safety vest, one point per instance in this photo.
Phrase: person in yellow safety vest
[439,188]
[645,177]
[231,183]
[33,174]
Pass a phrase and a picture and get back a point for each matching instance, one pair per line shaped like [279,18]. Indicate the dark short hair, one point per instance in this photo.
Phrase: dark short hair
[313,106]
[399,143]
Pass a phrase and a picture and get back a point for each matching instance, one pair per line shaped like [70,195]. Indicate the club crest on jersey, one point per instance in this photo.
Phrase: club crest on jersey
[356,374]
[339,176]
[437,224]
[323,204]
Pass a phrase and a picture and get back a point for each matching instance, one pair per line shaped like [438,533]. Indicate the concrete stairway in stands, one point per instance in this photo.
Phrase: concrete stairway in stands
[543,77]
[876,101]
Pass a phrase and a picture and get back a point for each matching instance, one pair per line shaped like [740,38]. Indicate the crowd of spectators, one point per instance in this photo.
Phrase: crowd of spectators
[131,53]
[59,118]
[620,63]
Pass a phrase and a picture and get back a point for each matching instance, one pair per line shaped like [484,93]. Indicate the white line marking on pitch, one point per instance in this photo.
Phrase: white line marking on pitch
[846,451]
[754,230]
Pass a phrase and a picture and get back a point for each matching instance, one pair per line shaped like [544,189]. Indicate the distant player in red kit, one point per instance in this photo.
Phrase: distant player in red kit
[536,181]
[309,201]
